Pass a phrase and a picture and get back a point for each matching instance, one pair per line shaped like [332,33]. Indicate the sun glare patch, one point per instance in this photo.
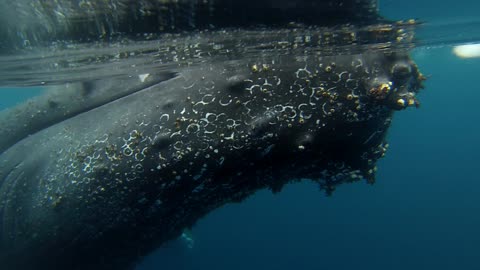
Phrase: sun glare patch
[467,51]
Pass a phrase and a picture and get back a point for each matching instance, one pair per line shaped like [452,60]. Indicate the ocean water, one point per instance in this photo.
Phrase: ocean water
[422,213]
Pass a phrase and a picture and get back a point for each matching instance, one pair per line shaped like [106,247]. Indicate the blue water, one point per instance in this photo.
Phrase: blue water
[421,214]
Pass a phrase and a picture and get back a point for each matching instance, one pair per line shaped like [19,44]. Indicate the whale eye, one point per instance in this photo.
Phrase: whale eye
[401,71]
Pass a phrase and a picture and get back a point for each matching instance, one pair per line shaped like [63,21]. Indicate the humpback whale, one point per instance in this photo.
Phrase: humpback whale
[95,174]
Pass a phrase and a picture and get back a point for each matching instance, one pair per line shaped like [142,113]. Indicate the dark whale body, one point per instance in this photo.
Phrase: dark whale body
[99,185]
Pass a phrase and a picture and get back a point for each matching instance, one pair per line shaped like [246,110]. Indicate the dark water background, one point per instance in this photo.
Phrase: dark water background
[423,212]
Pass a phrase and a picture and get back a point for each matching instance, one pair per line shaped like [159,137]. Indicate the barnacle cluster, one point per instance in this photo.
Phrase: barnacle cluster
[381,91]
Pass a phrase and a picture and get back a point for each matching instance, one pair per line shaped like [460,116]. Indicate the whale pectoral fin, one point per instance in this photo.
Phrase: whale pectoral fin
[65,101]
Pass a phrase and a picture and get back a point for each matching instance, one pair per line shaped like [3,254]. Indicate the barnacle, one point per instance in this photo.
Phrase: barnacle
[381,91]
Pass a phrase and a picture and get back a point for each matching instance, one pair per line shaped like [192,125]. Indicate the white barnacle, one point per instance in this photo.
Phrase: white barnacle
[232,123]
[225,103]
[178,133]
[303,107]
[193,128]
[164,117]
[143,124]
[231,137]
[178,145]
[302,73]
[323,108]
[207,99]
[312,95]
[138,167]
[210,128]
[357,63]
[291,111]
[278,80]
[253,87]
[127,151]
[140,156]
[279,108]
[189,86]
[210,117]
[105,138]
